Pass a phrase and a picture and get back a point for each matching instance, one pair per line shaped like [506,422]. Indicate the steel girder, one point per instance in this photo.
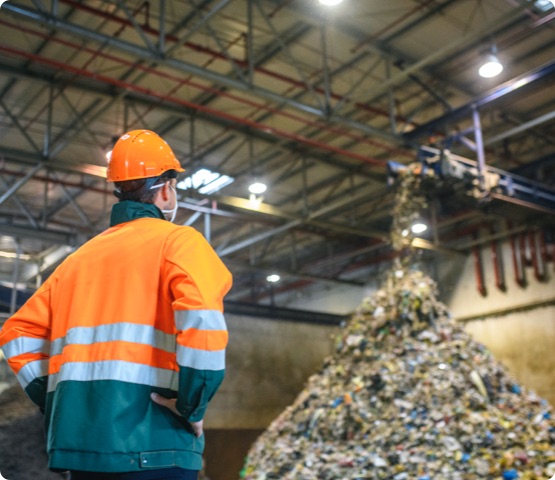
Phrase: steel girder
[47,19]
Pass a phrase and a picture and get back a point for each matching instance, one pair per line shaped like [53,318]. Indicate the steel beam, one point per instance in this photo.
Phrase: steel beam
[18,125]
[15,276]
[294,63]
[521,128]
[445,51]
[27,158]
[264,270]
[50,236]
[47,259]
[138,28]
[17,185]
[20,204]
[296,222]
[44,18]
[480,151]
[513,86]
[284,314]
[196,27]
[63,139]
[71,199]
[91,118]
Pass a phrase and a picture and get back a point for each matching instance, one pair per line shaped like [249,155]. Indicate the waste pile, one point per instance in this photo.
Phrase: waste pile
[408,395]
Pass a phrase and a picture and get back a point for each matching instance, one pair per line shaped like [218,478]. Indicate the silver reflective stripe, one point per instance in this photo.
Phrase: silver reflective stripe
[126,332]
[114,370]
[200,359]
[36,369]
[199,319]
[21,345]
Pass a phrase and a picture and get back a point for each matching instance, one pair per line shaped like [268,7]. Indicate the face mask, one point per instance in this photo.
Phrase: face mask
[173,211]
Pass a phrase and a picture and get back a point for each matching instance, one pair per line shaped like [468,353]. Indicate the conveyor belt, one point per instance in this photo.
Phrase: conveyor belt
[446,171]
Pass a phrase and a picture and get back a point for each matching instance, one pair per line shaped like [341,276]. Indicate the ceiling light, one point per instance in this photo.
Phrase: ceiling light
[257,188]
[419,227]
[273,278]
[491,66]
[330,2]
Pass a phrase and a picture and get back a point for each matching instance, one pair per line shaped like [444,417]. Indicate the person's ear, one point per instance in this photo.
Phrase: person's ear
[166,191]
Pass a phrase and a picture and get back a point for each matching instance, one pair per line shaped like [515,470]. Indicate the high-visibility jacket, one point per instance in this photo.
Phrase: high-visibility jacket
[135,310]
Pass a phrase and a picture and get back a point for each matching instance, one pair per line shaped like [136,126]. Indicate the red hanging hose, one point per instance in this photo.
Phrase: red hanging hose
[479,268]
[518,265]
[498,269]
[538,257]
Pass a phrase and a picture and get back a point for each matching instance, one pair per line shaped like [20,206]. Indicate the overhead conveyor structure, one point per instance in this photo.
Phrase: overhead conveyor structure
[482,183]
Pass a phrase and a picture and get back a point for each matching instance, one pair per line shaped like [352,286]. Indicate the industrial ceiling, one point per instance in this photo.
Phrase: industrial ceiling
[313,100]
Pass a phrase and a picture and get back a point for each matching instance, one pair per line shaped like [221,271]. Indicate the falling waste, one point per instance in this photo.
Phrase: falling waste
[408,394]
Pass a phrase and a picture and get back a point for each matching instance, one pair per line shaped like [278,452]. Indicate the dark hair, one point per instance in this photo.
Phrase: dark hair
[140,190]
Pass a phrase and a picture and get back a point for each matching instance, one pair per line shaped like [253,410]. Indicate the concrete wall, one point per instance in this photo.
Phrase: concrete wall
[268,362]
[524,343]
[517,325]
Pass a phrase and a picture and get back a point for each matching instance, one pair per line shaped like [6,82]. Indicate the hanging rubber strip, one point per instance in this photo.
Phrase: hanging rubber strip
[538,261]
[498,268]
[518,266]
[479,268]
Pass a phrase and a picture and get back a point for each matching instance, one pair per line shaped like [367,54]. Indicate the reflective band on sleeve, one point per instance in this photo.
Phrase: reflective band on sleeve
[126,332]
[200,359]
[21,345]
[115,370]
[36,369]
[199,319]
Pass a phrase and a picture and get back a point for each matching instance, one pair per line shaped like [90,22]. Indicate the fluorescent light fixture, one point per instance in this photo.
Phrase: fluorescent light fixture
[491,66]
[216,184]
[257,188]
[545,5]
[330,2]
[419,227]
[21,256]
[273,278]
[205,181]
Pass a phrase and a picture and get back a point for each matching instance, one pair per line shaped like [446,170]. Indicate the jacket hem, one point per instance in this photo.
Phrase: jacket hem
[123,462]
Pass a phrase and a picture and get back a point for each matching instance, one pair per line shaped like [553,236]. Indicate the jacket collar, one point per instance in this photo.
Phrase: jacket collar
[128,210]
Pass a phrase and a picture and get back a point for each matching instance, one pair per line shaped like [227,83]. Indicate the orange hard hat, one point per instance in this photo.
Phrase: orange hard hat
[140,154]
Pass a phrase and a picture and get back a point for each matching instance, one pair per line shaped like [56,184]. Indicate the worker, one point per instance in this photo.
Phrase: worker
[123,346]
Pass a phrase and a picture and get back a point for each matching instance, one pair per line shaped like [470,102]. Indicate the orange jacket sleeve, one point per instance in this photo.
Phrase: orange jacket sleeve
[197,282]
[25,341]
